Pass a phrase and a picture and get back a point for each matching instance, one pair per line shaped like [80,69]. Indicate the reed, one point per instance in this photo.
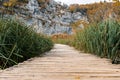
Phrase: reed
[102,39]
[19,42]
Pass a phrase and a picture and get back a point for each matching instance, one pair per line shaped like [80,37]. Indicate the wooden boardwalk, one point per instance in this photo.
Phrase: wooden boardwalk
[63,63]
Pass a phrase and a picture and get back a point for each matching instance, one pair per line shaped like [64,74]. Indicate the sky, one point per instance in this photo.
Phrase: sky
[79,1]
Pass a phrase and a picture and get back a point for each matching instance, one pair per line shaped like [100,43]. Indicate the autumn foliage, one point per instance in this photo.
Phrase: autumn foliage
[43,1]
[10,3]
[99,11]
[61,36]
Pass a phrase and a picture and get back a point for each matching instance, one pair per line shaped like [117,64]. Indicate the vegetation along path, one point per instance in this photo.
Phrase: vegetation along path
[63,63]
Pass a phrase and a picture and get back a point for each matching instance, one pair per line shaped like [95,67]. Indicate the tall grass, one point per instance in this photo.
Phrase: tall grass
[101,39]
[19,42]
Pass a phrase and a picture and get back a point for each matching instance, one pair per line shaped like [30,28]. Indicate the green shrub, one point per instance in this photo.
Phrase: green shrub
[102,39]
[19,42]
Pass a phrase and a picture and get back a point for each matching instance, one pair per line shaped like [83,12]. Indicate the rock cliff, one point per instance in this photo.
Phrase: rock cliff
[52,18]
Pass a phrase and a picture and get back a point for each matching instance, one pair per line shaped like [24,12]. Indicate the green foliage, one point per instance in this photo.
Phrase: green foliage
[101,39]
[19,42]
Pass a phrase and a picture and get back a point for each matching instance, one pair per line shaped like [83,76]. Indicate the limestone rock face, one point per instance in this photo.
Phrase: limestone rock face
[33,6]
[50,18]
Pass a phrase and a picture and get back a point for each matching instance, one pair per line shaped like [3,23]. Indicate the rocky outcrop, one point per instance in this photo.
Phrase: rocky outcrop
[54,18]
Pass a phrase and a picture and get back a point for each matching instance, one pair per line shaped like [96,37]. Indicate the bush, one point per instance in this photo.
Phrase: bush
[102,39]
[19,42]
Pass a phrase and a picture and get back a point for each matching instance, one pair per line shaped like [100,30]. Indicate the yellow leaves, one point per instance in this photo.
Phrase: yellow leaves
[73,7]
[5,4]
[10,3]
[117,2]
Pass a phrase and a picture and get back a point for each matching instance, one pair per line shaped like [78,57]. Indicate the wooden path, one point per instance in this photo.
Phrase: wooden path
[63,63]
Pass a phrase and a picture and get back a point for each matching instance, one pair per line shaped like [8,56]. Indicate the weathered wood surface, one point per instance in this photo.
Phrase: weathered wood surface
[63,63]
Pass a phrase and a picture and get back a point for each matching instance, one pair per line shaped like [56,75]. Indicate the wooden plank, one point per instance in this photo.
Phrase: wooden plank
[63,63]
